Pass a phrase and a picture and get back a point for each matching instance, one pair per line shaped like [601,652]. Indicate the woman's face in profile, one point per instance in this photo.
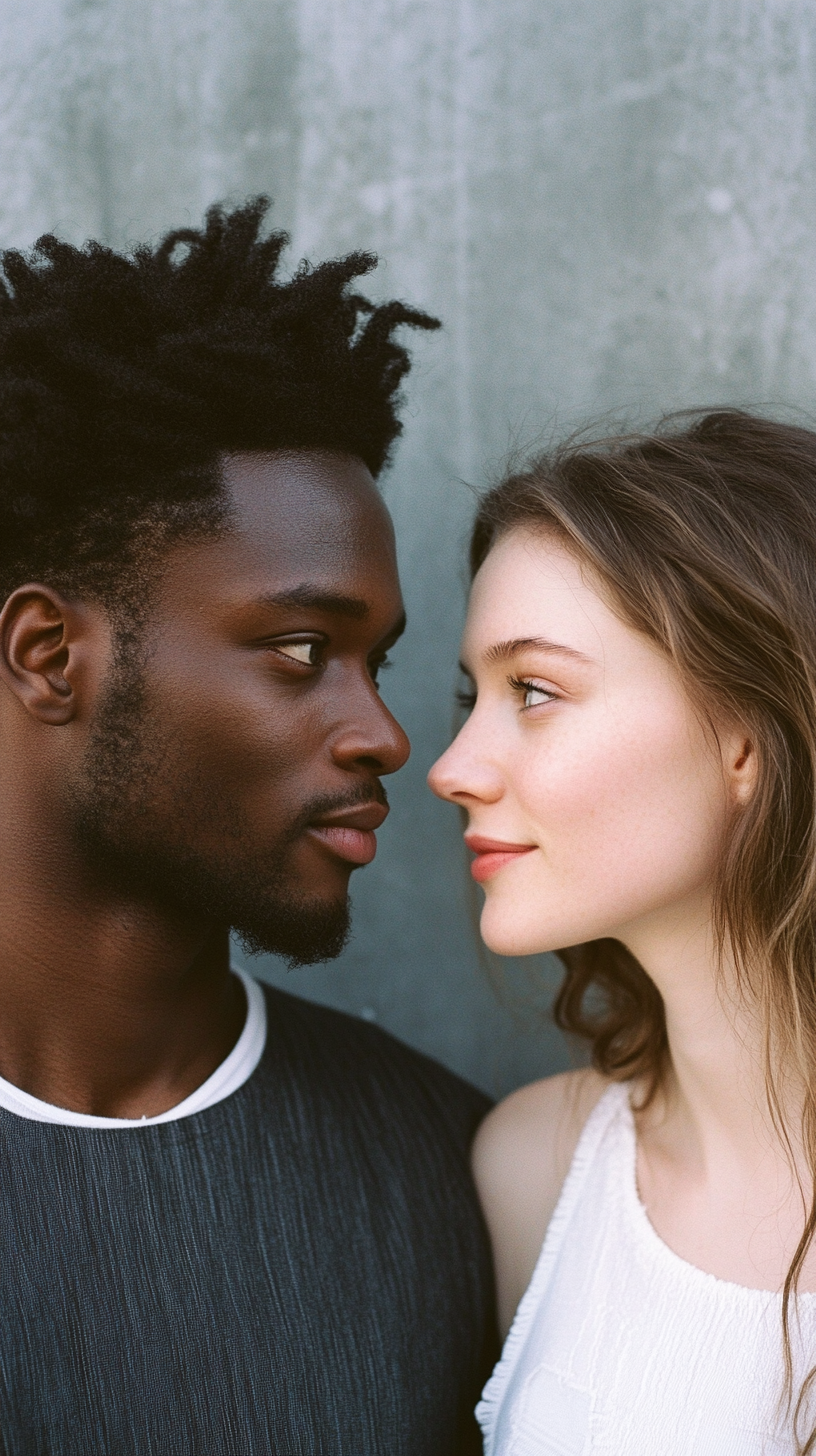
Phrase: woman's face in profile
[583,756]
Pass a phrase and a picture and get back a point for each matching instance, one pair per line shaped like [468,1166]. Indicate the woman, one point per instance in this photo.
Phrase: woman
[639,775]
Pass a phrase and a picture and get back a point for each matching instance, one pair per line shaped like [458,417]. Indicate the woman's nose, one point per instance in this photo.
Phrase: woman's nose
[462,778]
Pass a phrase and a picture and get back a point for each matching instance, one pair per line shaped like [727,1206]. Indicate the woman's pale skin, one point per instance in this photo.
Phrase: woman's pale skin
[585,755]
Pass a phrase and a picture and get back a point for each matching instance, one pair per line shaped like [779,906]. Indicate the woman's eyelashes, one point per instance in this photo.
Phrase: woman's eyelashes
[465,696]
[534,693]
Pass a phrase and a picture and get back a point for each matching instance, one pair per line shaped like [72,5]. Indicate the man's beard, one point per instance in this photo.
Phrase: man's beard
[139,811]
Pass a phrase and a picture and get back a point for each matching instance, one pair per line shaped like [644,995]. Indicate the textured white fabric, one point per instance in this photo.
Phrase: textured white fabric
[620,1347]
[226,1079]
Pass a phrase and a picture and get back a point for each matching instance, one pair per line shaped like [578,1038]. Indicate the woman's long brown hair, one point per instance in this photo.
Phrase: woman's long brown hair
[704,535]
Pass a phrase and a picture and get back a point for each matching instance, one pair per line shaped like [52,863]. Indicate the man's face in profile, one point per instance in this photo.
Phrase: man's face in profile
[233,766]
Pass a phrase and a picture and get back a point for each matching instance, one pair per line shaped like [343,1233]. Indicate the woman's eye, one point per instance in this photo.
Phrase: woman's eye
[305,652]
[533,696]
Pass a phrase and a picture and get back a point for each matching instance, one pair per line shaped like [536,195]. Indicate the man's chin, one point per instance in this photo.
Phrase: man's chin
[261,902]
[303,935]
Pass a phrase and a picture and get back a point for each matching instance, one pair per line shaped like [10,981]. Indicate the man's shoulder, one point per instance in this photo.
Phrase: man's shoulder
[354,1056]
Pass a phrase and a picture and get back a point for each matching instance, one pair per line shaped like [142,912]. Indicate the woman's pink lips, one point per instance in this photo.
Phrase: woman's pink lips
[492,855]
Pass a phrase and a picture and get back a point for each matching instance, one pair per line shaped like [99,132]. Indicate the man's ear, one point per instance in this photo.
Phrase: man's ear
[43,644]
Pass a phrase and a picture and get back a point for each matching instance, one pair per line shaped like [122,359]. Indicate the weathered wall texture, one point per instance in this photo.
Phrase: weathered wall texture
[611,203]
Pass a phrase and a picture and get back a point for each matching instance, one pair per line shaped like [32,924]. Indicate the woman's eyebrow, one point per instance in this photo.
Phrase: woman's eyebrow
[501,651]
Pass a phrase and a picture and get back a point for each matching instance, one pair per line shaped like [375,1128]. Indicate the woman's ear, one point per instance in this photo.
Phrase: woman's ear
[741,766]
[42,640]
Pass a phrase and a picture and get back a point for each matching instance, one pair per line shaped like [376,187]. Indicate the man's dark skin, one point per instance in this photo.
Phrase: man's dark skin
[119,1003]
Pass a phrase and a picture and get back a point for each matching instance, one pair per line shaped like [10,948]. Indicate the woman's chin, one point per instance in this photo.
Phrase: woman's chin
[506,937]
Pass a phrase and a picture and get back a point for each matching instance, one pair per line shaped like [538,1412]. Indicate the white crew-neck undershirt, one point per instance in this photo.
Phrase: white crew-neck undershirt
[226,1079]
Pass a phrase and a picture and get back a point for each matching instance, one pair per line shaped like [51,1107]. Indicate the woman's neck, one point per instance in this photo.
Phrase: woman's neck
[714,1172]
[716,1041]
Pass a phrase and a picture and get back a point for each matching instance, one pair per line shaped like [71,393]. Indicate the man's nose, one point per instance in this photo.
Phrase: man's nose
[371,737]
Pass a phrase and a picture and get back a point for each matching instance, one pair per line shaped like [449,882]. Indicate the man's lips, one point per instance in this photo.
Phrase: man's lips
[350,832]
[492,855]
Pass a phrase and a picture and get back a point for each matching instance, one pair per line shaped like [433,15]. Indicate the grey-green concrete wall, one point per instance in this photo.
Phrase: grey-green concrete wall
[611,203]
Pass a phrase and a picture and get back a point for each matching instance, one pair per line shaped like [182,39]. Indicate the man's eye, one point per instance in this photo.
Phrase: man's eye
[378,665]
[305,652]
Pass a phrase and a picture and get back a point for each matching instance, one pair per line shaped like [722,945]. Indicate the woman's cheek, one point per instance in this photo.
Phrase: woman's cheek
[536,903]
[564,786]
[586,813]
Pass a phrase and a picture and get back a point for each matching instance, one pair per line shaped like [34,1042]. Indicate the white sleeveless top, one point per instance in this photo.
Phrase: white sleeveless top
[620,1347]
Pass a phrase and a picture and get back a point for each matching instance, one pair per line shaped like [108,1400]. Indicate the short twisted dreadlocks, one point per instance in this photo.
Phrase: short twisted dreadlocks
[125,378]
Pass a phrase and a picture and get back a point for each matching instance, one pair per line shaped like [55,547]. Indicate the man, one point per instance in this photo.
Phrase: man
[232,1221]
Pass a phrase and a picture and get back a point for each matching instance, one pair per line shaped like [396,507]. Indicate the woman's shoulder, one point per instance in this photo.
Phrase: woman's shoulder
[521,1157]
[525,1145]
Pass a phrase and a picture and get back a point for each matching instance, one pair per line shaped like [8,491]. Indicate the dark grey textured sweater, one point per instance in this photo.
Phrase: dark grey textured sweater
[300,1269]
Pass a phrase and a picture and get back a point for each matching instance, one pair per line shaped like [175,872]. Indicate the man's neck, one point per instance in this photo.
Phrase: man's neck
[107,1007]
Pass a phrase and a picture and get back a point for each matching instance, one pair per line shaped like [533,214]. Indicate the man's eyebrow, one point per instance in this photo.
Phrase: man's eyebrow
[396,631]
[501,651]
[333,603]
[316,598]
